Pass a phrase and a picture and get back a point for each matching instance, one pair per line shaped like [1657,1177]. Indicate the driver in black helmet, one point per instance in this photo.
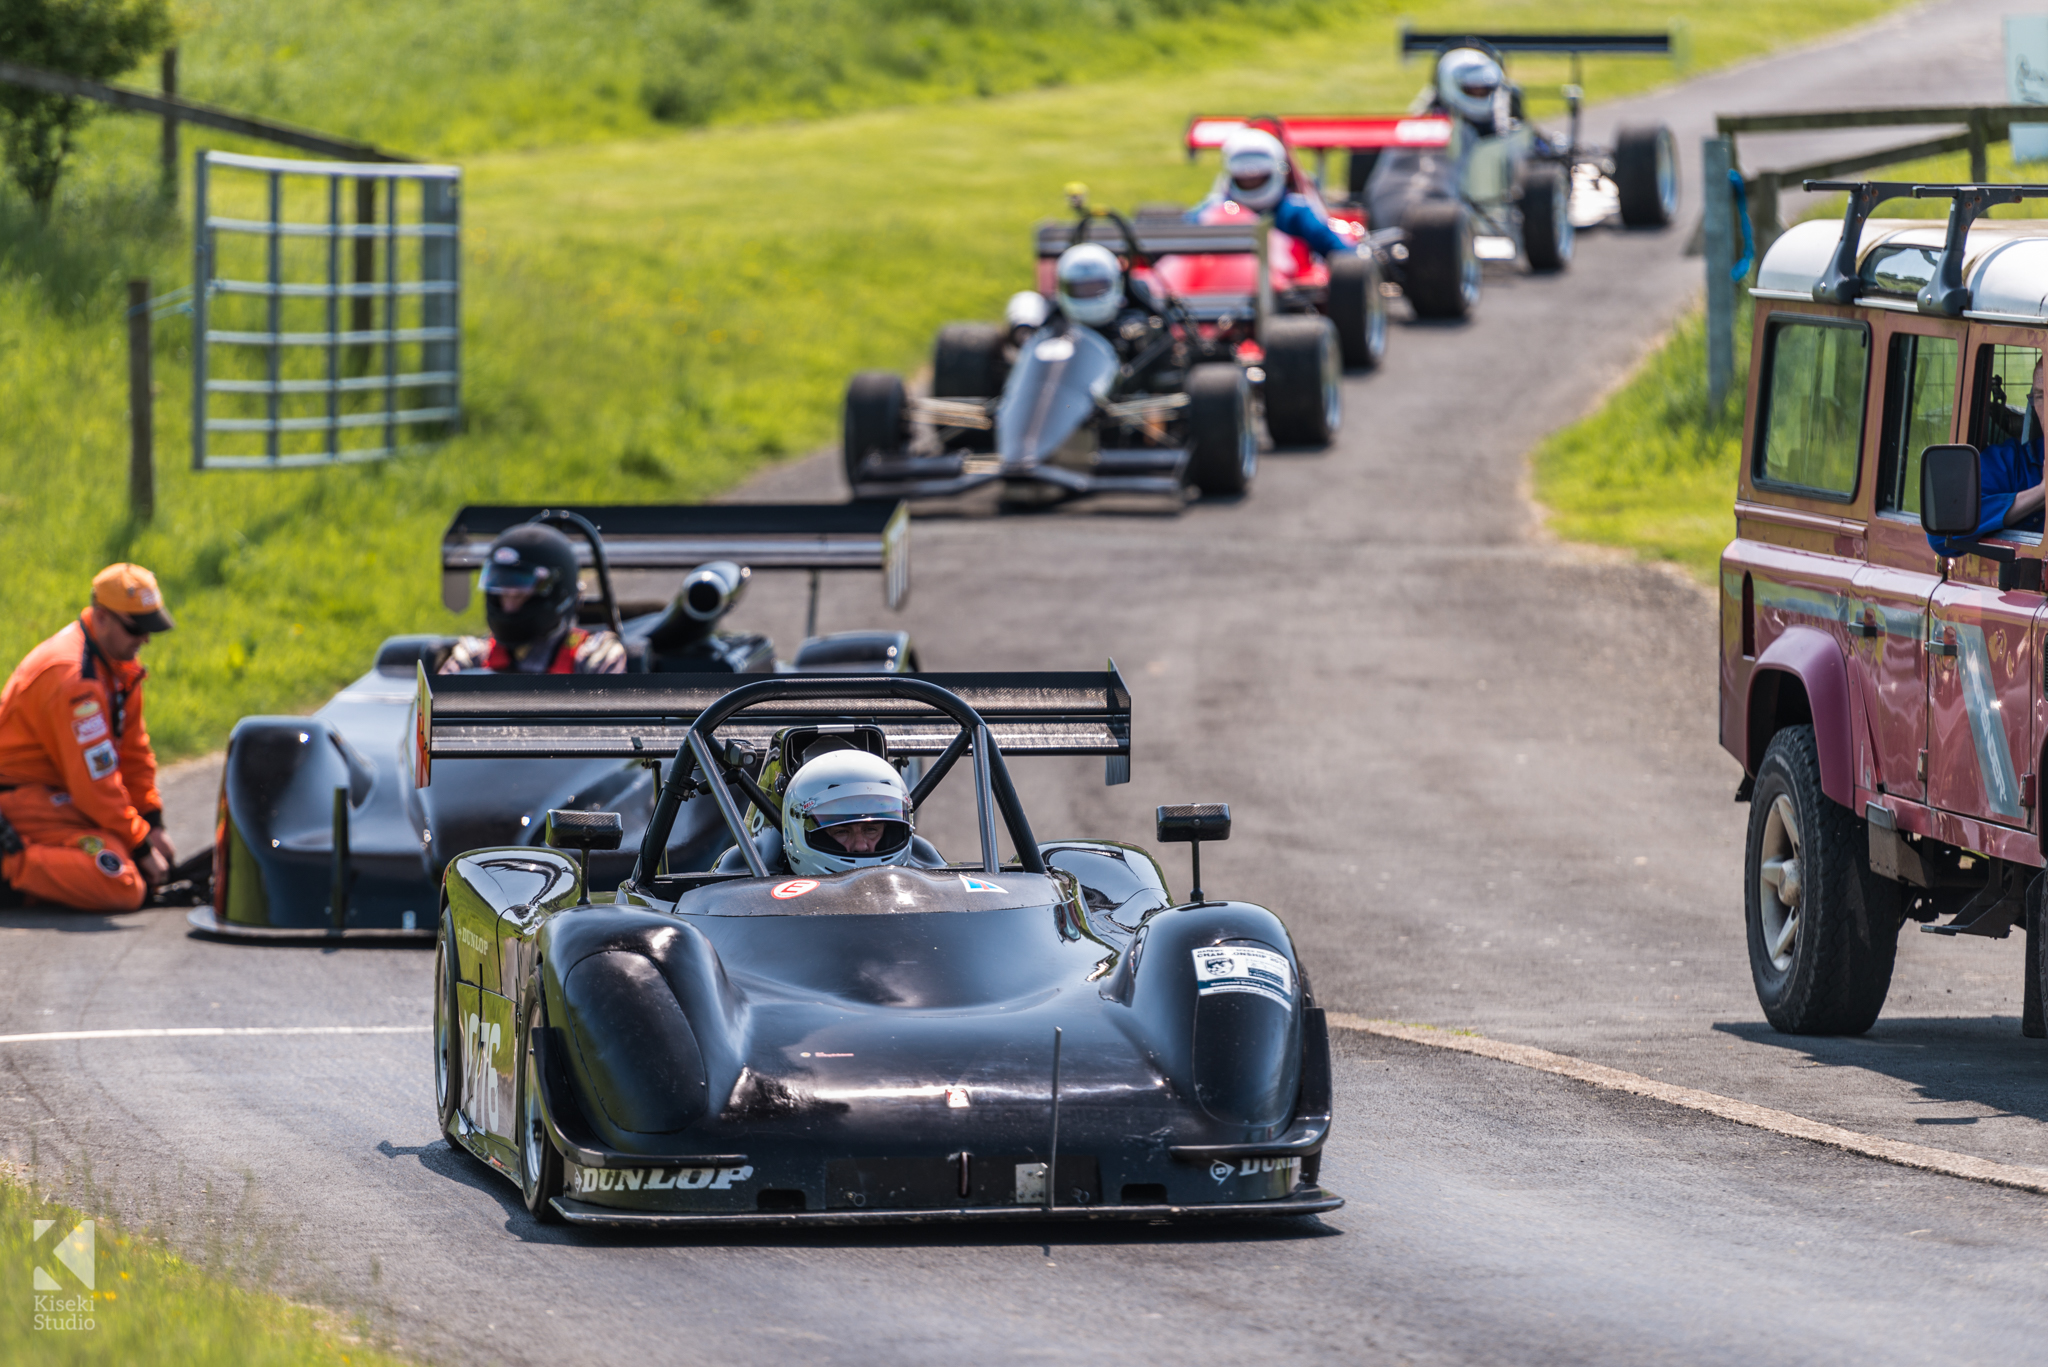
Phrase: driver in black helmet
[529,588]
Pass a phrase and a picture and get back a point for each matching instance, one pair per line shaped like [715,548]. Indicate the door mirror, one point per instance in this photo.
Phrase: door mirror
[1949,491]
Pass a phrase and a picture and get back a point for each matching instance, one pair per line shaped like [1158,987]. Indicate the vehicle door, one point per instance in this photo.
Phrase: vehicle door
[1981,639]
[1888,613]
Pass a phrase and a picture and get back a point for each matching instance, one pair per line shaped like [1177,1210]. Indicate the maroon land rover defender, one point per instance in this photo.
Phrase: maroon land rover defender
[1888,703]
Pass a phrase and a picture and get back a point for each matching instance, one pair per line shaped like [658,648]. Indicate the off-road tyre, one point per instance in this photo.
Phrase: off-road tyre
[1546,218]
[1441,276]
[1223,450]
[1304,380]
[1837,968]
[1646,175]
[2033,1020]
[968,363]
[540,1162]
[874,419]
[447,1029]
[1359,309]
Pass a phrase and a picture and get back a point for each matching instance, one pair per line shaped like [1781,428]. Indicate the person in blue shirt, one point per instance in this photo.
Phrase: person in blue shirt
[2010,491]
[1256,176]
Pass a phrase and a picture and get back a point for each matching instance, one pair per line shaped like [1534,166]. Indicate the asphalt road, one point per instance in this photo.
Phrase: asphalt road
[1477,774]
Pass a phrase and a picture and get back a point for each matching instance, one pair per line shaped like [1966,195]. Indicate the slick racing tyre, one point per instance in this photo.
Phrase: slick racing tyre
[968,363]
[1646,176]
[1223,451]
[1359,309]
[540,1162]
[1442,274]
[1304,380]
[1546,218]
[447,1029]
[875,422]
[1823,929]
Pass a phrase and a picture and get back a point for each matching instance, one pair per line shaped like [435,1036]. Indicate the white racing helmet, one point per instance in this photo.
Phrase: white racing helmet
[1091,284]
[845,810]
[1466,81]
[1255,164]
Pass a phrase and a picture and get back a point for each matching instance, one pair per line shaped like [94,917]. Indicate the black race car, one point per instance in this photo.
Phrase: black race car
[1050,1036]
[322,833]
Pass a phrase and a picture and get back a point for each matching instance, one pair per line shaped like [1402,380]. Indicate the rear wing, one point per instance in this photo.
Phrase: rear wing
[649,546]
[1156,238]
[1327,132]
[1571,44]
[646,716]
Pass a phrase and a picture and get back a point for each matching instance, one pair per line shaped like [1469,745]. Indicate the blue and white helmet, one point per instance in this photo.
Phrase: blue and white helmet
[1467,80]
[1254,169]
[1091,284]
[845,810]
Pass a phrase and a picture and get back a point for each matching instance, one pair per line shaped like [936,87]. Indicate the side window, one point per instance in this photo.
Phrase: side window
[1999,411]
[1808,435]
[1919,412]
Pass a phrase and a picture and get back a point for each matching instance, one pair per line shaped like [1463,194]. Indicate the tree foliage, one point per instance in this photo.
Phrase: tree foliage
[96,39]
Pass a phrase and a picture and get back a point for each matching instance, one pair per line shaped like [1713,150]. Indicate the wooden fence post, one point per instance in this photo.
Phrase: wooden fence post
[1720,255]
[141,417]
[170,172]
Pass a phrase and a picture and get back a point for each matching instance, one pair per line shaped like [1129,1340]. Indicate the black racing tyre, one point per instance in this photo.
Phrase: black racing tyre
[1359,309]
[1823,929]
[1304,380]
[1441,278]
[540,1162]
[1546,218]
[1646,175]
[447,1029]
[874,419]
[1223,451]
[968,363]
[2032,1022]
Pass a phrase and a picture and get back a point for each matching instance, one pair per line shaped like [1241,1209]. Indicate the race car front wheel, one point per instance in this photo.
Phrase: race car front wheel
[969,361]
[1441,278]
[540,1163]
[875,422]
[1646,176]
[1304,380]
[447,1035]
[1359,309]
[1223,450]
[1546,218]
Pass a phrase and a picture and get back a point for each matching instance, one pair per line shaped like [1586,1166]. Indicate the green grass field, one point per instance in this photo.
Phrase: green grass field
[148,1304]
[649,314]
[1654,470]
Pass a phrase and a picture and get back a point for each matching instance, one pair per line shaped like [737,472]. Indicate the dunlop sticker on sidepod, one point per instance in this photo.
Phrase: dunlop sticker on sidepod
[1242,968]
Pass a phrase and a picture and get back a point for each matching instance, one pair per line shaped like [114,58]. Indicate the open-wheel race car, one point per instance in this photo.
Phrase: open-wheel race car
[1466,177]
[322,833]
[1048,1035]
[1161,400]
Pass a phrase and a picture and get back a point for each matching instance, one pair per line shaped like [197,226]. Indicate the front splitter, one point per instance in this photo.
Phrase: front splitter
[1313,1202]
[207,922]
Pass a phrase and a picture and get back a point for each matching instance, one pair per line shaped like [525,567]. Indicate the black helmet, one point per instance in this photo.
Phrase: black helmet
[534,566]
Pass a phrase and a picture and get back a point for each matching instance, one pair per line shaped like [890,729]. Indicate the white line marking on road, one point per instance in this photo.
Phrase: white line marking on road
[1741,1112]
[208,1031]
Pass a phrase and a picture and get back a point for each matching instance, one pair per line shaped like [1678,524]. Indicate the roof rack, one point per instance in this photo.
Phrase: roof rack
[1945,295]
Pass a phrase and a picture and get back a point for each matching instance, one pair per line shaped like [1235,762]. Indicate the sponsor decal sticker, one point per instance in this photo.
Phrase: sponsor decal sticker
[979,884]
[91,729]
[100,760]
[108,863]
[1223,1170]
[659,1179]
[795,887]
[1244,968]
[956,1097]
[88,708]
[472,941]
[91,844]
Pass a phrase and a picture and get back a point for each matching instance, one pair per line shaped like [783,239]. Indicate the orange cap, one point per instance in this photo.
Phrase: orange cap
[130,591]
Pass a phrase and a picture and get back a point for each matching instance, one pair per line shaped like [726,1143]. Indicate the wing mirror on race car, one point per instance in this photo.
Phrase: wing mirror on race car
[583,832]
[1949,490]
[1191,824]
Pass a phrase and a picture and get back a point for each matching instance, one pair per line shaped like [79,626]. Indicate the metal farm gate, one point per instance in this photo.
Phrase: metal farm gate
[318,337]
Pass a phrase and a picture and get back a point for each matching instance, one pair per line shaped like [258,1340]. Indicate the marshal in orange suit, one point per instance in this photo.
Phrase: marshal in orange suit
[81,822]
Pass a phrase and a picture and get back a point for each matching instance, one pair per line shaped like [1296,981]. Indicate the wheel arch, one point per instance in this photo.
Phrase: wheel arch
[1801,679]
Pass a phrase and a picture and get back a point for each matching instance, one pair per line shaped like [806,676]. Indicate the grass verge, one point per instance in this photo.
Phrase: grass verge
[646,320]
[147,1304]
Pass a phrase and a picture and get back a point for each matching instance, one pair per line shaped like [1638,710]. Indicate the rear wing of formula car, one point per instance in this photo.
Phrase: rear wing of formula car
[1156,238]
[650,546]
[1567,44]
[1327,132]
[646,716]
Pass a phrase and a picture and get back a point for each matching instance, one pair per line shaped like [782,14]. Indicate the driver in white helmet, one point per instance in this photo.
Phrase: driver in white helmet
[1258,175]
[846,810]
[1471,85]
[1089,284]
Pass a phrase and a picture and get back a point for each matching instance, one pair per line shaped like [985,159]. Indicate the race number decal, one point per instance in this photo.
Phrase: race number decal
[1244,968]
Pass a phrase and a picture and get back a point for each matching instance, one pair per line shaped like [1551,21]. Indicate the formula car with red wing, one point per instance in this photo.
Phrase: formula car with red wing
[323,835]
[1465,176]
[1043,1035]
[1162,401]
